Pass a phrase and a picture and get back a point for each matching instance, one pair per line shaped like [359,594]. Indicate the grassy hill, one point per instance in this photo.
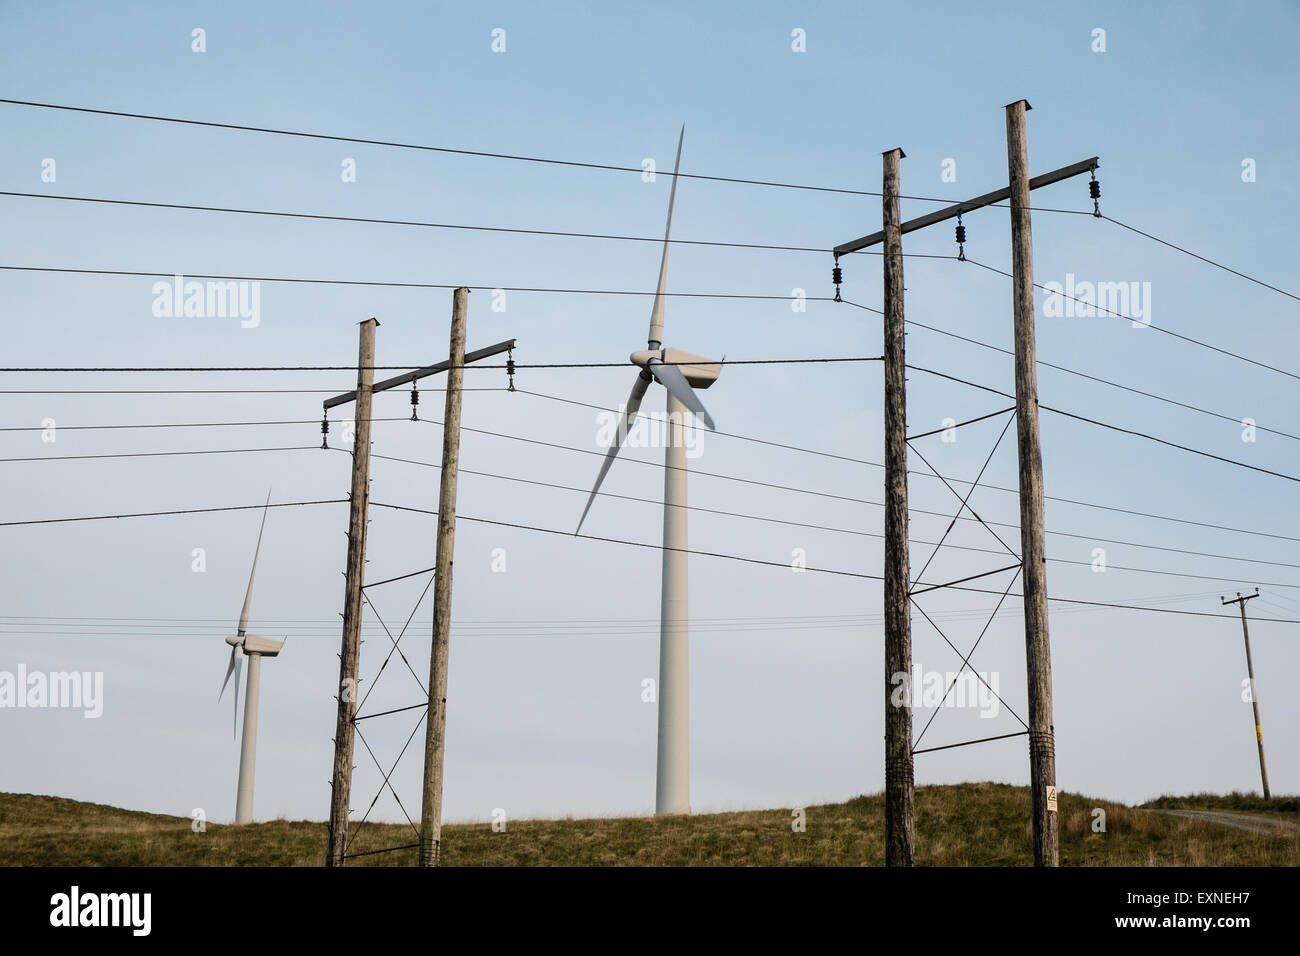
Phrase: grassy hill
[978,824]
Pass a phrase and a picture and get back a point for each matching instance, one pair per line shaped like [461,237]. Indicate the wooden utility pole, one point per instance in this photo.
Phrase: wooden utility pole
[1033,555]
[899,817]
[341,786]
[1250,673]
[350,654]
[1041,748]
[435,740]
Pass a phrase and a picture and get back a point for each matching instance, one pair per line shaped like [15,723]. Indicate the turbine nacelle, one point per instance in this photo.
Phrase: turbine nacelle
[256,644]
[699,372]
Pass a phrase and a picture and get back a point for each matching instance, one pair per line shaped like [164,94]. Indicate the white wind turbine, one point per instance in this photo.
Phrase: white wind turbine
[679,373]
[254,647]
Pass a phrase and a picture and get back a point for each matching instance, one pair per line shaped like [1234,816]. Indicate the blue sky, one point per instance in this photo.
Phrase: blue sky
[545,707]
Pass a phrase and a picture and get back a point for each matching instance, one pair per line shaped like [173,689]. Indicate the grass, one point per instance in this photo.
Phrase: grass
[974,824]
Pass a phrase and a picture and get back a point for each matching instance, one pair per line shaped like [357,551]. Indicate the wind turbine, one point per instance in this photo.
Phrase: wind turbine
[679,373]
[254,647]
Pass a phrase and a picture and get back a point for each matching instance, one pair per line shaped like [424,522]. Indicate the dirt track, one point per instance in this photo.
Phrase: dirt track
[1240,821]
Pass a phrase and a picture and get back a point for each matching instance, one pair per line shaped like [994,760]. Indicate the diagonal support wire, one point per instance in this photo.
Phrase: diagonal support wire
[977,674]
[967,743]
[969,421]
[353,835]
[380,767]
[395,641]
[400,577]
[965,661]
[387,849]
[395,710]
[965,498]
[969,577]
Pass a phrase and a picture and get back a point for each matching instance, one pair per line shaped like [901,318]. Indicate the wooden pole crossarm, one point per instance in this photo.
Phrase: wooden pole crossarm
[419,373]
[951,212]
[1240,598]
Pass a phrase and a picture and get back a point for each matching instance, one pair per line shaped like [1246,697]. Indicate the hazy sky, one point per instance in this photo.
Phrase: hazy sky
[549,655]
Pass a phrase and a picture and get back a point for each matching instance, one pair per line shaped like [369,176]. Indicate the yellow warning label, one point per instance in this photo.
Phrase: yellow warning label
[1259,732]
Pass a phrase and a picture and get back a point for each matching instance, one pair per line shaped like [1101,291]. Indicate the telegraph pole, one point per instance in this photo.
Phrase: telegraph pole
[899,816]
[1250,672]
[1041,747]
[1033,554]
[349,656]
[341,787]
[435,741]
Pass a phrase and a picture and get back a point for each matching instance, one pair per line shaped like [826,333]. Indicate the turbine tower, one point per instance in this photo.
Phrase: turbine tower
[254,647]
[679,373]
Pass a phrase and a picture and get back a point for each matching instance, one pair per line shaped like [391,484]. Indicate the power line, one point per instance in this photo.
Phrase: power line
[466,227]
[869,534]
[506,156]
[724,477]
[1188,252]
[182,511]
[652,501]
[1071,501]
[722,434]
[637,544]
[207,391]
[221,622]
[510,627]
[1170,444]
[171,627]
[612,631]
[784,565]
[806,491]
[655,464]
[1099,380]
[816,527]
[171,273]
[542,395]
[1096,539]
[824,360]
[163,454]
[740,558]
[1117,428]
[1129,318]
[477,628]
[1134,513]
[70,428]
[446,149]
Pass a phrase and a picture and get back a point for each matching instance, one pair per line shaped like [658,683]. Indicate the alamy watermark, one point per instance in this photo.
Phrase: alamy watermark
[132,911]
[926,689]
[82,690]
[1074,299]
[210,299]
[651,430]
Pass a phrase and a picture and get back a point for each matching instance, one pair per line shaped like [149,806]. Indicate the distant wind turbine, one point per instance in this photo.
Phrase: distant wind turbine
[666,366]
[254,647]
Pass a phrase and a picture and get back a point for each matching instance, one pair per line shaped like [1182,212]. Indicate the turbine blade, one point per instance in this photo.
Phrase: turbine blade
[657,311]
[629,419]
[248,595]
[671,378]
[229,670]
